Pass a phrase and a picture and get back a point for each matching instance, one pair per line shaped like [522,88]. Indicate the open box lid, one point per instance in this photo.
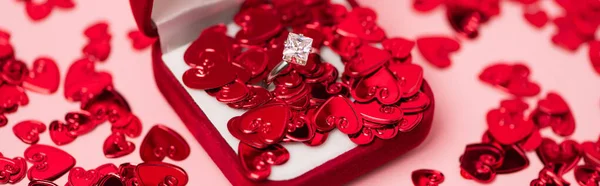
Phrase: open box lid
[177,22]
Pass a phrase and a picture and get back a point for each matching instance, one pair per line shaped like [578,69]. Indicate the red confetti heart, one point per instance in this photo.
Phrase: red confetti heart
[60,133]
[49,163]
[161,142]
[140,41]
[515,160]
[563,157]
[337,112]
[591,153]
[479,162]
[548,177]
[508,129]
[12,170]
[382,114]
[368,60]
[382,85]
[97,49]
[117,146]
[80,177]
[587,175]
[262,126]
[553,104]
[44,76]
[28,131]
[13,71]
[436,49]
[159,173]
[83,80]
[536,17]
[12,96]
[257,162]
[97,31]
[258,25]
[38,11]
[427,177]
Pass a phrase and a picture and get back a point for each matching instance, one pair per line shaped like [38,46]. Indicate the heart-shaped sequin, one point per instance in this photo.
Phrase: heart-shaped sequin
[49,163]
[515,160]
[60,133]
[548,177]
[160,173]
[479,162]
[399,47]
[117,146]
[338,112]
[28,131]
[591,153]
[261,126]
[83,80]
[427,177]
[426,5]
[382,114]
[588,175]
[562,157]
[161,142]
[257,162]
[213,73]
[536,17]
[258,25]
[80,177]
[368,60]
[381,85]
[12,170]
[553,104]
[44,76]
[410,77]
[37,10]
[13,71]
[506,128]
[436,49]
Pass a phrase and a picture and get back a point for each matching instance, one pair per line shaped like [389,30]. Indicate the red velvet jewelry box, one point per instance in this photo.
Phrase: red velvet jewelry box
[337,161]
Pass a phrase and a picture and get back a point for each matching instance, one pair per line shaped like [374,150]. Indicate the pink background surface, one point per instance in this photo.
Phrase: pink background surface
[462,101]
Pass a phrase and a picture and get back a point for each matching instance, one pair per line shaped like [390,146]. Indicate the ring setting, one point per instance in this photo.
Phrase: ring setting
[297,47]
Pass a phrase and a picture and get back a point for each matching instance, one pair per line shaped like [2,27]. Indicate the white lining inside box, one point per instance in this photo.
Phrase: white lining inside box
[303,158]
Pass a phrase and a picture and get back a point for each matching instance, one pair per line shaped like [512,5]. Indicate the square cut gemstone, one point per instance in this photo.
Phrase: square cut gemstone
[297,48]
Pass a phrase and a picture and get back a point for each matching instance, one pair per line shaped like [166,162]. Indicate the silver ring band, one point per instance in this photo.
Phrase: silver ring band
[276,71]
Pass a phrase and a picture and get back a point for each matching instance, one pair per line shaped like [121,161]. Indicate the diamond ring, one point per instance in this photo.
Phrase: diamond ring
[297,47]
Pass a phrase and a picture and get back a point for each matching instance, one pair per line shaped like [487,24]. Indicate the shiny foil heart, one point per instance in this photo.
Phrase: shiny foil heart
[257,162]
[436,49]
[12,170]
[398,47]
[49,163]
[159,173]
[562,157]
[337,112]
[368,60]
[427,177]
[83,80]
[41,183]
[479,162]
[44,76]
[80,177]
[515,160]
[60,133]
[587,175]
[261,126]
[508,129]
[28,131]
[591,153]
[12,96]
[381,85]
[410,77]
[139,41]
[13,71]
[116,145]
[161,142]
[548,177]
